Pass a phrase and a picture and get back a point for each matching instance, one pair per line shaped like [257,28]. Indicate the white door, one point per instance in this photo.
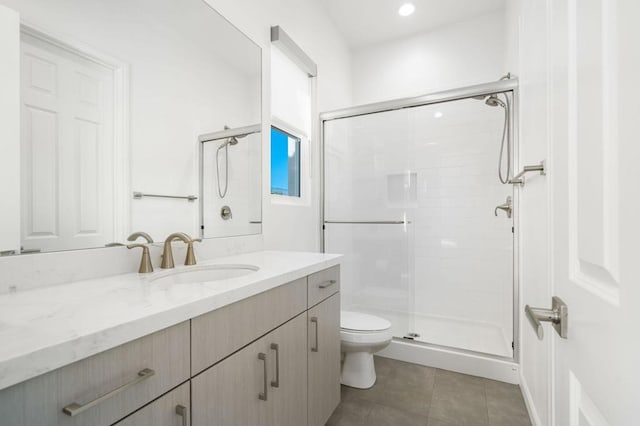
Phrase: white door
[67,149]
[595,173]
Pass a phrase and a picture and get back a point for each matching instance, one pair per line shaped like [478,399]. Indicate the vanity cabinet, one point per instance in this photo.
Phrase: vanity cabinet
[272,359]
[262,384]
[172,409]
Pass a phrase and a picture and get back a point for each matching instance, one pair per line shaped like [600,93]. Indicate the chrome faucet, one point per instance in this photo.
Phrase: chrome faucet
[167,254]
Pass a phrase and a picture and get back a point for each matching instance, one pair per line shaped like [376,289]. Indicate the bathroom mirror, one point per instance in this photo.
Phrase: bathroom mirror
[115,97]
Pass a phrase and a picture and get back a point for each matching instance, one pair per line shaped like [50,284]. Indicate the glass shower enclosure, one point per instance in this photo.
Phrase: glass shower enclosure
[410,190]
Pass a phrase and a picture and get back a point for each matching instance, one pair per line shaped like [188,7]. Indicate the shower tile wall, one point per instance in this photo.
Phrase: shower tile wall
[448,274]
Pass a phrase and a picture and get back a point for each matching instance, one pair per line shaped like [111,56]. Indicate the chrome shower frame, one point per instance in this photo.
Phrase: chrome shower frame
[506,86]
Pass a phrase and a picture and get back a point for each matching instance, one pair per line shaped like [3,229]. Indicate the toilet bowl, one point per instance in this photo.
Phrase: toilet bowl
[361,335]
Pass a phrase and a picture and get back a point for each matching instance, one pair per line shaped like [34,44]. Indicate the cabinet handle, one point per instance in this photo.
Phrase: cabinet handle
[326,284]
[314,320]
[276,383]
[263,395]
[181,410]
[74,408]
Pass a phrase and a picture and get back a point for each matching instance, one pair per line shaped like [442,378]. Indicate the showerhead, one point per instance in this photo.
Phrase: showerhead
[493,101]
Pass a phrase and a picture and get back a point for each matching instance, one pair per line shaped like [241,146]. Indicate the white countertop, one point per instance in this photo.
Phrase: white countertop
[47,328]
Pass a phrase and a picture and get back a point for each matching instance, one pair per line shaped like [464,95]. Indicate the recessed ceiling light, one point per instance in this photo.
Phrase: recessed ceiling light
[437,114]
[406,9]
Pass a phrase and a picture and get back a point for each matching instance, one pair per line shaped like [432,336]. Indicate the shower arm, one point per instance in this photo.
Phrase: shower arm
[519,178]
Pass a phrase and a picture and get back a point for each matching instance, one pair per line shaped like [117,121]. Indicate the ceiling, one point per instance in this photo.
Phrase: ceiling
[365,22]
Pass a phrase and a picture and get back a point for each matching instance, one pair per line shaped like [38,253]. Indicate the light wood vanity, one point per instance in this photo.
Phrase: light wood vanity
[270,359]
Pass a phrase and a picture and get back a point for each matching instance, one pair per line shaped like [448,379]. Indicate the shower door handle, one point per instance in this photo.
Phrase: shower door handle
[506,207]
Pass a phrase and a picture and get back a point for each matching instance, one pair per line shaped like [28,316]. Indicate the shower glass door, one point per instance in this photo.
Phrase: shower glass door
[409,199]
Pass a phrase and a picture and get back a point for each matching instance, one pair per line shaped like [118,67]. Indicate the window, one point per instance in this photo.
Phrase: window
[285,163]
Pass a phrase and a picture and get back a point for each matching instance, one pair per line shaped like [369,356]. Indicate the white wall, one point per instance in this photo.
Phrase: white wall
[461,54]
[295,227]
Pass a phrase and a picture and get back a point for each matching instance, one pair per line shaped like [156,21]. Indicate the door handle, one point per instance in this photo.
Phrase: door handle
[314,320]
[276,383]
[558,316]
[263,395]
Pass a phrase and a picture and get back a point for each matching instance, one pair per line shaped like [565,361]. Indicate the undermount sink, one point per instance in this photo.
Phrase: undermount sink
[205,273]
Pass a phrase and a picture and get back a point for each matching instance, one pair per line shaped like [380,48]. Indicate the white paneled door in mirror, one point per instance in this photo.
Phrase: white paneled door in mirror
[595,204]
[67,149]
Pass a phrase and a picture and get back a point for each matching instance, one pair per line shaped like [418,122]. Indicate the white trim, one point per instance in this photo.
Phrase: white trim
[121,118]
[528,401]
[453,360]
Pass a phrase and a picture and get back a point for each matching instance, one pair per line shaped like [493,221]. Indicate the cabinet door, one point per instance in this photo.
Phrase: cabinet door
[229,393]
[288,373]
[324,360]
[171,409]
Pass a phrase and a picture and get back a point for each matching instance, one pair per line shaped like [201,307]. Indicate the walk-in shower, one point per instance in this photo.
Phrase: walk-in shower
[410,192]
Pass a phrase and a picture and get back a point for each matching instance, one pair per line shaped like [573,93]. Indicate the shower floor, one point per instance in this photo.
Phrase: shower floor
[454,333]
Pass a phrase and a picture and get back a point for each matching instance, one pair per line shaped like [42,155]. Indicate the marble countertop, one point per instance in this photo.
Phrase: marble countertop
[47,328]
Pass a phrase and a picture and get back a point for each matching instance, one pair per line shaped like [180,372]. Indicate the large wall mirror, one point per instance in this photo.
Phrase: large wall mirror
[136,115]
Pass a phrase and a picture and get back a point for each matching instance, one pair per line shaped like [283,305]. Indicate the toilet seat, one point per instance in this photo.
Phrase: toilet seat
[365,338]
[360,322]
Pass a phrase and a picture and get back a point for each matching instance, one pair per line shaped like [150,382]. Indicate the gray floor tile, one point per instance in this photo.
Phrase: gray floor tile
[351,413]
[382,415]
[458,399]
[505,405]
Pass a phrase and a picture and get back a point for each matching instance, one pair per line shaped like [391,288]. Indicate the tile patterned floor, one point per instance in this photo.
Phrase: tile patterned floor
[409,394]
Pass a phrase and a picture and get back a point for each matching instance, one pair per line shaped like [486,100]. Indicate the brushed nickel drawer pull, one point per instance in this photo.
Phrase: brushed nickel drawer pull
[276,383]
[263,395]
[314,320]
[181,410]
[327,284]
[74,408]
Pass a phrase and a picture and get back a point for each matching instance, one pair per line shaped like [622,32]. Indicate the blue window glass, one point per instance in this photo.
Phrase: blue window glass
[285,163]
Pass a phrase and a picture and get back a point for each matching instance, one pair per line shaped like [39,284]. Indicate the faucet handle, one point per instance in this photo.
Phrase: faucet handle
[145,261]
[191,256]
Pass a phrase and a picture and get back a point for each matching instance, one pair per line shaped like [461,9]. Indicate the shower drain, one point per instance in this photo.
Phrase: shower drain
[411,336]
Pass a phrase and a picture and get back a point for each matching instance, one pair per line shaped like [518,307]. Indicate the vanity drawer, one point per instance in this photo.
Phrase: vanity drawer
[217,334]
[134,373]
[323,284]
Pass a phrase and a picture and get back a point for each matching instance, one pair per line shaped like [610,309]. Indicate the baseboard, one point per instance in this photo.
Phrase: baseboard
[528,402]
[448,359]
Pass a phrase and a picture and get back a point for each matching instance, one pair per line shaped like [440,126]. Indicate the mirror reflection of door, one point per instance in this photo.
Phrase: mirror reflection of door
[67,109]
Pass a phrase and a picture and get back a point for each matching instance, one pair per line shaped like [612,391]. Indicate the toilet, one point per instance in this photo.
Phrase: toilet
[361,335]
